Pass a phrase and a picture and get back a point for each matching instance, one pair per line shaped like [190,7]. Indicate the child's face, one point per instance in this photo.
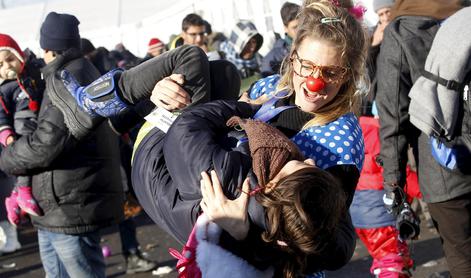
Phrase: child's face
[316,54]
[249,50]
[10,65]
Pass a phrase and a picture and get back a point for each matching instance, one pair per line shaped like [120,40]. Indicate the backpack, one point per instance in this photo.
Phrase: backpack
[455,154]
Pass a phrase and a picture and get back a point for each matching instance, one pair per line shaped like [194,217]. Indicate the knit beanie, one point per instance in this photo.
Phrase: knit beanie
[8,43]
[59,32]
[380,4]
[156,42]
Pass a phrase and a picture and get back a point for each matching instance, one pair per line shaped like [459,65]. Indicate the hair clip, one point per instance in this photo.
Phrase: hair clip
[281,243]
[335,2]
[326,20]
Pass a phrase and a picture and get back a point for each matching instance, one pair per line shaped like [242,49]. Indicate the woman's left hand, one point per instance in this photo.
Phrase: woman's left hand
[230,215]
[169,94]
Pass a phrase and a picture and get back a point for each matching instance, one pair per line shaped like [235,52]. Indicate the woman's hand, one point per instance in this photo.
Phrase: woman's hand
[230,215]
[169,94]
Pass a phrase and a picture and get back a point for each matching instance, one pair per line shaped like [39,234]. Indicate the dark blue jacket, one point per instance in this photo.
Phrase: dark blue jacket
[166,178]
[14,110]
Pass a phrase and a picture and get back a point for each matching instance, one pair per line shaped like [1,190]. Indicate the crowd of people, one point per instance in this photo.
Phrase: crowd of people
[276,162]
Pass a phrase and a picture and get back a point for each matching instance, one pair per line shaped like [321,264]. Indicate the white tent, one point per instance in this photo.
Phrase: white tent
[134,22]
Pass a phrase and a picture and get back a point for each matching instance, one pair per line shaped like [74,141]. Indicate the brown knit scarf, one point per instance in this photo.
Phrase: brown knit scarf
[438,9]
[270,148]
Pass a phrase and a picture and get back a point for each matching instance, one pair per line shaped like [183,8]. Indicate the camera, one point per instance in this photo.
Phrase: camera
[407,223]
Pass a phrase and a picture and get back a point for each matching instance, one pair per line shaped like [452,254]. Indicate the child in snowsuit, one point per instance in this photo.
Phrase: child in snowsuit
[20,96]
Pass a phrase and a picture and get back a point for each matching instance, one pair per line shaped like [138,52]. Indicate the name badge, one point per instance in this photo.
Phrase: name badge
[161,118]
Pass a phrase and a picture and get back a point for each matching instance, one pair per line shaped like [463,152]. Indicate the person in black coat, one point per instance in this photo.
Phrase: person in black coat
[76,181]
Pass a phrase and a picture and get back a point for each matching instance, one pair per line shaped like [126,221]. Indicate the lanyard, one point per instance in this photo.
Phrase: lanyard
[266,113]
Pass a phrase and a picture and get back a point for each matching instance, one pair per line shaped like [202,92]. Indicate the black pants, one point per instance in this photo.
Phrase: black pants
[204,80]
[453,221]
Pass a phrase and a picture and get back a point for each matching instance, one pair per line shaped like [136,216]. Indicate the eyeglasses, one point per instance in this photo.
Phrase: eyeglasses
[305,68]
[194,35]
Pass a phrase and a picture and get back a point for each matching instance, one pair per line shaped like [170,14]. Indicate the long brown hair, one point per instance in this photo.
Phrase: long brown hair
[349,37]
[302,210]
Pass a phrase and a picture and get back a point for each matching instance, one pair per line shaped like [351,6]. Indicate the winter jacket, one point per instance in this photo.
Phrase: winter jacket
[76,182]
[271,63]
[15,112]
[407,41]
[169,189]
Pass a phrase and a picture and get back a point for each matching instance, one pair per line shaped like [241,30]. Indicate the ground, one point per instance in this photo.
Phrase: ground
[426,252]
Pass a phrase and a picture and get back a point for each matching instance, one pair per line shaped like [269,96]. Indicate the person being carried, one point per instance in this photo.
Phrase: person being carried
[20,96]
[149,179]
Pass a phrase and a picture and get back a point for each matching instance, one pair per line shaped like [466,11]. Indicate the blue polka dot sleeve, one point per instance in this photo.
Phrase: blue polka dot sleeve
[264,86]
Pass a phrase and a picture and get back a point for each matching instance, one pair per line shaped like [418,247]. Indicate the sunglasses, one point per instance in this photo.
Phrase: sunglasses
[306,68]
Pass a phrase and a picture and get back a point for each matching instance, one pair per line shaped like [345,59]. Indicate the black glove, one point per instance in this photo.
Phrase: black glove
[407,223]
[393,198]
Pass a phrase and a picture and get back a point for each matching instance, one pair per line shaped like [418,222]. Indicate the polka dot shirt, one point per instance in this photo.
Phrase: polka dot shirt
[336,143]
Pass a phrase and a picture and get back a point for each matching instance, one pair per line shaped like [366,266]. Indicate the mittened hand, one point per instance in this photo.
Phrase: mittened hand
[100,98]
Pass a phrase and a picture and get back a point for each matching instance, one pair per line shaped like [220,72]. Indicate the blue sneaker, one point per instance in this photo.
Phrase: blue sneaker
[100,98]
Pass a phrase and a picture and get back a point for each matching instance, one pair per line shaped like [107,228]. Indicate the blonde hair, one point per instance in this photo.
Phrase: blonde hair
[349,37]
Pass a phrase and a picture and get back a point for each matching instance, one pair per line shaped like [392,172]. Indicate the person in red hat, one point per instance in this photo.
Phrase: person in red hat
[154,49]
[20,95]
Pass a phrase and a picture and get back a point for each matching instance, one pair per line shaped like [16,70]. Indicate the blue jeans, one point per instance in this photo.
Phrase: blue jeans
[127,233]
[71,255]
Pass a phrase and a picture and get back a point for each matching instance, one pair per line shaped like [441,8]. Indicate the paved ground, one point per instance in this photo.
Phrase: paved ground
[25,263]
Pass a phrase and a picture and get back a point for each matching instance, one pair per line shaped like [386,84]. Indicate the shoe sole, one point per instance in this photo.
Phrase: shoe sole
[78,121]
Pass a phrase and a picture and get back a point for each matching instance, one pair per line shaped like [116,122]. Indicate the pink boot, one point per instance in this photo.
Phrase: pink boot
[13,210]
[391,266]
[26,201]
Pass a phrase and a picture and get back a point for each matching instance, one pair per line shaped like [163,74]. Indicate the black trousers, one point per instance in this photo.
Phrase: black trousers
[453,221]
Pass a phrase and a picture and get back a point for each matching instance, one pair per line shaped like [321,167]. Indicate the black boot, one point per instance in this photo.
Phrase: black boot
[136,263]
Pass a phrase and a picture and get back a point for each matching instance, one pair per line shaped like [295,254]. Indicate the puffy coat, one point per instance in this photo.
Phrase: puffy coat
[14,100]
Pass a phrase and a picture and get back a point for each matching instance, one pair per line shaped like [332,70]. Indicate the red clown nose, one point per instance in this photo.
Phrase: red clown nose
[314,84]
